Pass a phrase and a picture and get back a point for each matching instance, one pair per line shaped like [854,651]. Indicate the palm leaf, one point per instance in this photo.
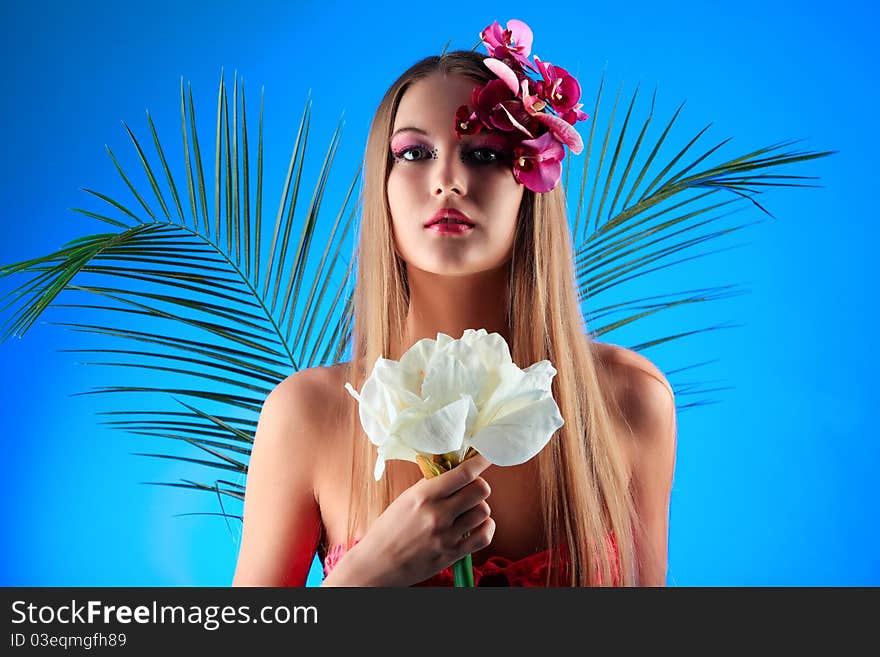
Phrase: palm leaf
[213,304]
[669,215]
[227,319]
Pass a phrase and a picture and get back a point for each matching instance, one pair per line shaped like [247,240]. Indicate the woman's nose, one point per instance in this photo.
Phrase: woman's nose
[450,175]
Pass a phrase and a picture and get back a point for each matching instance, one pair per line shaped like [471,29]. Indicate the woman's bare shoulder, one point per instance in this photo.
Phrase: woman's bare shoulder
[628,366]
[642,395]
[646,402]
[315,394]
[310,381]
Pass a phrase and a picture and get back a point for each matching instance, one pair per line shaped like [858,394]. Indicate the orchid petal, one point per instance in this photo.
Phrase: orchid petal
[541,179]
[491,36]
[563,131]
[515,123]
[523,36]
[538,163]
[504,72]
[542,68]
[529,100]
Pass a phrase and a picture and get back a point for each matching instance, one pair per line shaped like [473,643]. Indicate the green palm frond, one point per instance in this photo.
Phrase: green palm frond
[661,216]
[195,294]
[191,294]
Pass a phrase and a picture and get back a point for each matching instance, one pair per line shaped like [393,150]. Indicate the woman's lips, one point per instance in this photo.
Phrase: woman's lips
[450,228]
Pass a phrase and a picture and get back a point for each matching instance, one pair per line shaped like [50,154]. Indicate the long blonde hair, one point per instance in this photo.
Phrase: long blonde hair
[583,476]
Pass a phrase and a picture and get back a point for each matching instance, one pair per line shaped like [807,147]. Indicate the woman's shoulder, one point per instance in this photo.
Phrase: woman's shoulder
[641,393]
[629,369]
[645,402]
[310,399]
[310,383]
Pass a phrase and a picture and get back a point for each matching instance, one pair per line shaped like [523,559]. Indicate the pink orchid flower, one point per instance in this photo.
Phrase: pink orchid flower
[558,87]
[500,43]
[466,122]
[538,163]
[517,117]
[532,102]
[562,131]
[574,114]
[498,108]
[504,73]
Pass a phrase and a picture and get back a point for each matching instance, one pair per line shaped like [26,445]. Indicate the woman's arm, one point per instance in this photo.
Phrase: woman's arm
[655,432]
[282,520]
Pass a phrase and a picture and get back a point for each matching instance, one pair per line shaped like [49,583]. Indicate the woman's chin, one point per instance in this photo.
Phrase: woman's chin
[455,270]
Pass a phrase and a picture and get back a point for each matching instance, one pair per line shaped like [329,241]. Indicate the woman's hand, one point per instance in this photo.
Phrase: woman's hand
[422,531]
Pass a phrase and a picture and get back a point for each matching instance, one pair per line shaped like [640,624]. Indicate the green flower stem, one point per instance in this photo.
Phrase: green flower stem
[463,572]
[463,569]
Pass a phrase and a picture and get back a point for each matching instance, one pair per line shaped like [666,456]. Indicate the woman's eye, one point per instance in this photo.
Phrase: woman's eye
[485,155]
[418,150]
[477,155]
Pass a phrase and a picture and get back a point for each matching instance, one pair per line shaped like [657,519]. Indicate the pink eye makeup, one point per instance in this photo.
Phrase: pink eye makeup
[420,152]
[489,149]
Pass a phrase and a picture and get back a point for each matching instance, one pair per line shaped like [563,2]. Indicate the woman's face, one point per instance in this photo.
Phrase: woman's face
[433,170]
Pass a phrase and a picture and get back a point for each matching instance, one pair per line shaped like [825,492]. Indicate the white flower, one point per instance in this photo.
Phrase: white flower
[445,396]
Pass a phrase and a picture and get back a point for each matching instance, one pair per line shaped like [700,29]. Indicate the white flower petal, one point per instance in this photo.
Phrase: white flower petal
[446,395]
[493,349]
[517,389]
[443,340]
[502,407]
[509,383]
[518,436]
[540,375]
[393,449]
[402,385]
[415,360]
[379,470]
[373,419]
[352,391]
[435,433]
[389,372]
[472,415]
[450,376]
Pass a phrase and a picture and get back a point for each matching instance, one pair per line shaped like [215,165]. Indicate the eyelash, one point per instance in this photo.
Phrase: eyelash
[500,156]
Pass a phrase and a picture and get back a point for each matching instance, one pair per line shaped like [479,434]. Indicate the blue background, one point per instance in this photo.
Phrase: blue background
[774,485]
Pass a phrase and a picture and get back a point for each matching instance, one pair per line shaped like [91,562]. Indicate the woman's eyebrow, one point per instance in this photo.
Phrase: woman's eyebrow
[464,138]
[411,129]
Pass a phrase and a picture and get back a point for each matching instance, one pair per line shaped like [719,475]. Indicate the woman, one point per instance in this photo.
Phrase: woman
[592,507]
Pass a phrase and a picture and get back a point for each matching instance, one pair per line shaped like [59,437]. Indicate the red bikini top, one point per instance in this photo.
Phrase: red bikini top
[498,571]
